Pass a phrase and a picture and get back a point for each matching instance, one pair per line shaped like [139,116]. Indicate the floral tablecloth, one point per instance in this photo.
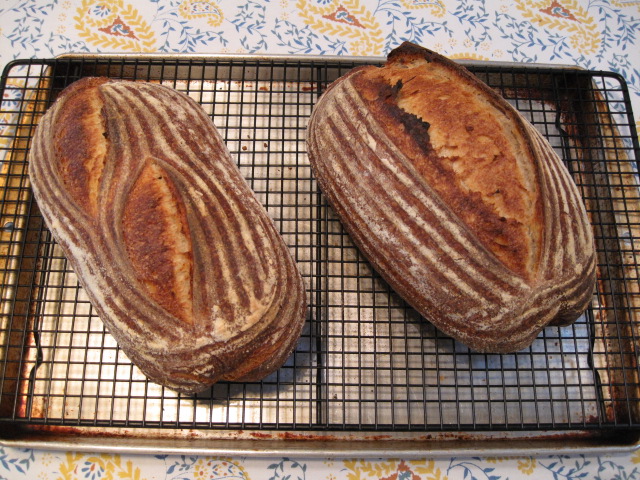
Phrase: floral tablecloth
[594,34]
[40,465]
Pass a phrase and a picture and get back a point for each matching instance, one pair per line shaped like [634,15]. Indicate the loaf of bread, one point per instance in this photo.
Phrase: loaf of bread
[458,202]
[177,256]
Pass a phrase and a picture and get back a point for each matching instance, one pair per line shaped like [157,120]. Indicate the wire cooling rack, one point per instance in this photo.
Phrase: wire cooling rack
[366,362]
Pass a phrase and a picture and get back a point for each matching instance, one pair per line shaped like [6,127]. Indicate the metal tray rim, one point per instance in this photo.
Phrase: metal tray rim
[270,447]
[293,58]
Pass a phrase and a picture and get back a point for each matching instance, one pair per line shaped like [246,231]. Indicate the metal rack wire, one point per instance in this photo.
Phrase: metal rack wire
[366,361]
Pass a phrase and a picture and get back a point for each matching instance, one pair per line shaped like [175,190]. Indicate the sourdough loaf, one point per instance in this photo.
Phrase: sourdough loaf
[458,202]
[176,254]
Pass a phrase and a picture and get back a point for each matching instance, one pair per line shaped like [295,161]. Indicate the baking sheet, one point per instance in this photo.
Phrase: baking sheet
[366,366]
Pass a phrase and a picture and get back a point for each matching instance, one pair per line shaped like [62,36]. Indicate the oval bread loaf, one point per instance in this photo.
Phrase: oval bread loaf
[460,204]
[176,254]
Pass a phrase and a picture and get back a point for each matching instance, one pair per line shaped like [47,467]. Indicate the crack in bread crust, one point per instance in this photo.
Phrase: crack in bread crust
[158,242]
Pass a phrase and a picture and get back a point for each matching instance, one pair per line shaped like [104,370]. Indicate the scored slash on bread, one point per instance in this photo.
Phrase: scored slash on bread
[176,254]
[457,201]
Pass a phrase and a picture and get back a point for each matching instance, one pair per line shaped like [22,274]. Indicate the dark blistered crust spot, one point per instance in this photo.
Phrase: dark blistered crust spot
[383,101]
[414,127]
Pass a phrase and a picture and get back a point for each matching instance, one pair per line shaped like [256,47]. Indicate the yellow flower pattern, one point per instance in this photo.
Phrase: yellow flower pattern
[207,9]
[208,468]
[496,459]
[350,20]
[394,470]
[114,25]
[527,465]
[434,7]
[98,467]
[468,56]
[564,15]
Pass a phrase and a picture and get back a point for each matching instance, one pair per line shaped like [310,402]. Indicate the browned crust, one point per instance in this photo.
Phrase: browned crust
[80,145]
[179,259]
[480,182]
[442,244]
[158,241]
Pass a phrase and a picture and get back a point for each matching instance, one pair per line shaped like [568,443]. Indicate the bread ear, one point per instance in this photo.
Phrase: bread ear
[458,202]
